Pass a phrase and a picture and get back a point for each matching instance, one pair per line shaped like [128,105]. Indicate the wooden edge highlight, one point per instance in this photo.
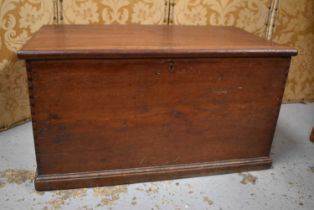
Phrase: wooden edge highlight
[157,173]
[146,53]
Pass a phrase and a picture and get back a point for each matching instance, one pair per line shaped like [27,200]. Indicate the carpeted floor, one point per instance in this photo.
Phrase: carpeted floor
[288,185]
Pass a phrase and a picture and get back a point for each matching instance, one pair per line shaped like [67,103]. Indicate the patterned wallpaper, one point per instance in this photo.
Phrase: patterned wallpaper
[113,11]
[19,19]
[295,27]
[250,15]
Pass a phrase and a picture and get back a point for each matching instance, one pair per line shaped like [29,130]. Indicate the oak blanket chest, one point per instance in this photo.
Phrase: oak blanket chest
[122,104]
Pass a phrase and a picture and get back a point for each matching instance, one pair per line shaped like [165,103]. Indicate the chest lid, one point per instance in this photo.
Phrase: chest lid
[138,41]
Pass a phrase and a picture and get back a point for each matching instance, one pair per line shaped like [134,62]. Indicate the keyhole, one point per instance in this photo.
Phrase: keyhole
[171,67]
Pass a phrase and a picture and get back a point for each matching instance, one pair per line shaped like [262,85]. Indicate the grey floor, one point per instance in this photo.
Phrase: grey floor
[288,185]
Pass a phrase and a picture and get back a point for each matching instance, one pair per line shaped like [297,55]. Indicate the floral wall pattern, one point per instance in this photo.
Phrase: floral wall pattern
[114,11]
[250,15]
[295,27]
[19,19]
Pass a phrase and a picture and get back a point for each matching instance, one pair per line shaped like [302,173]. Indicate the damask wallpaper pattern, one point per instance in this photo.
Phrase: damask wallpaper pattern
[113,11]
[295,27]
[250,15]
[19,19]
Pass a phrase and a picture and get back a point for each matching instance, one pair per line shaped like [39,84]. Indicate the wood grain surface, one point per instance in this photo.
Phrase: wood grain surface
[77,41]
[139,113]
[122,104]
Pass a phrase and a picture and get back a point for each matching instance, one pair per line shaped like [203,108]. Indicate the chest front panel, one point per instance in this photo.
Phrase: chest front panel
[97,114]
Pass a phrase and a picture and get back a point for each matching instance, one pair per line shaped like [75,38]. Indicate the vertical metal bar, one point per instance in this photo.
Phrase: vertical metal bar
[61,11]
[168,12]
[55,12]
[171,11]
[272,19]
[166,17]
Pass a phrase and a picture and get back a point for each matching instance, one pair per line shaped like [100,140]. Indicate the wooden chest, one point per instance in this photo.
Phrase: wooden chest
[121,104]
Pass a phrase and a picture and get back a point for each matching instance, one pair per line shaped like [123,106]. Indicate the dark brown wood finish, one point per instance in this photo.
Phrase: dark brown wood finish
[312,135]
[136,41]
[103,116]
